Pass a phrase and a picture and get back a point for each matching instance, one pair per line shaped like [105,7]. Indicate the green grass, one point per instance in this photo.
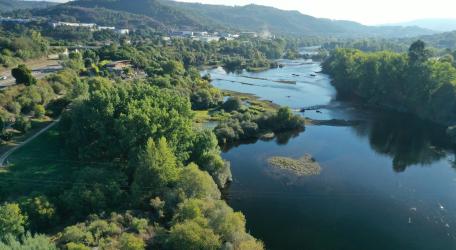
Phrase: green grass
[39,166]
[37,125]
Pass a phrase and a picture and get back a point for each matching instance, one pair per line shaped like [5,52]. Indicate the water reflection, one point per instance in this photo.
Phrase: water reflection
[405,138]
[280,138]
[358,201]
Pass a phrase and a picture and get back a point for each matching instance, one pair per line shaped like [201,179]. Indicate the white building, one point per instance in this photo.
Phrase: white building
[106,28]
[91,26]
[123,31]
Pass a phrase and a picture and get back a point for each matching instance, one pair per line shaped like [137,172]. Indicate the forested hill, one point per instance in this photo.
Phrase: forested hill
[245,18]
[257,17]
[9,5]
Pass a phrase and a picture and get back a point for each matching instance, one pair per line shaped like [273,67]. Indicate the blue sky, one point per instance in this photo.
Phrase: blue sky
[364,11]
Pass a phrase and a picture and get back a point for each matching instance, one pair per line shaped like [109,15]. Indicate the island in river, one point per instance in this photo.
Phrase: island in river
[388,180]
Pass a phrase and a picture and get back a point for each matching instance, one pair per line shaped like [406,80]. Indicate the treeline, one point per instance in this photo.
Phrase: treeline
[252,55]
[414,82]
[368,45]
[439,43]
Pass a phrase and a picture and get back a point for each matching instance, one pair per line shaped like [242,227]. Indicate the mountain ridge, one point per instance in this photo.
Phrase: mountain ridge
[178,15]
[11,5]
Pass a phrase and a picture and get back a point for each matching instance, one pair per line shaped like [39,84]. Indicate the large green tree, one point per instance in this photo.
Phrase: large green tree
[23,75]
[156,170]
[116,122]
[12,221]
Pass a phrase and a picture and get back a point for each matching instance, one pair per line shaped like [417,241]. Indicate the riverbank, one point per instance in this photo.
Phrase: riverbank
[383,171]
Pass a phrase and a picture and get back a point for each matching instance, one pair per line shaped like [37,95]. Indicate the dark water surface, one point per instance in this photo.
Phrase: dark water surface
[388,183]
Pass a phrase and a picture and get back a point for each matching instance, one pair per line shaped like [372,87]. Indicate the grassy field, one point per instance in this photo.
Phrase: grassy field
[37,125]
[39,166]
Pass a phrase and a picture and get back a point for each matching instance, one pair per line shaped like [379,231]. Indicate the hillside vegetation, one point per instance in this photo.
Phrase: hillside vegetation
[10,5]
[415,82]
[177,15]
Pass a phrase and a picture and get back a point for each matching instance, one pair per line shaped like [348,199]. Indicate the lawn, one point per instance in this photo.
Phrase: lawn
[37,125]
[39,166]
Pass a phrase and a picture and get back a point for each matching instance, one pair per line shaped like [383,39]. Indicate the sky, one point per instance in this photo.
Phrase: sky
[369,12]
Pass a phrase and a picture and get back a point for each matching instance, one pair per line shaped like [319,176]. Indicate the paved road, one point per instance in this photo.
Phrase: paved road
[37,71]
[7,154]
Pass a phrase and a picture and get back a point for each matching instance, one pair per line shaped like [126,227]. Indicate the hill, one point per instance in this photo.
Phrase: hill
[10,5]
[178,15]
[100,16]
[439,24]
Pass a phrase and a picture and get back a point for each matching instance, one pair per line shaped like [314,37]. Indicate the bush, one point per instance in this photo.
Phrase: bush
[131,242]
[232,104]
[22,124]
[39,111]
[23,75]
[14,107]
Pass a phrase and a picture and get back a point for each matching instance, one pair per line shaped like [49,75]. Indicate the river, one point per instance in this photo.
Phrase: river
[387,183]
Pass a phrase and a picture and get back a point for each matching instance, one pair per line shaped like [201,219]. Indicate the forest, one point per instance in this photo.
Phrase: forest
[416,82]
[135,172]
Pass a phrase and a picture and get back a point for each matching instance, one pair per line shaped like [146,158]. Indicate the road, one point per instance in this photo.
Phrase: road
[7,154]
[39,70]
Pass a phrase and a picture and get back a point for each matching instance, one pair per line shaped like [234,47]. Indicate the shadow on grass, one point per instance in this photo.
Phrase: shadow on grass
[39,166]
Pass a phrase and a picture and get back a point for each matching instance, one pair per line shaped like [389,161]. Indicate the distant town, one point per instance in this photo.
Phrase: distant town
[204,36]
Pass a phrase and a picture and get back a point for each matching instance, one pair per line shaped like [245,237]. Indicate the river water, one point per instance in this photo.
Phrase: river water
[387,183]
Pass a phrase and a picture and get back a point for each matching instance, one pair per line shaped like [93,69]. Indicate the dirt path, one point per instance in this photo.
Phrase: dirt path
[5,156]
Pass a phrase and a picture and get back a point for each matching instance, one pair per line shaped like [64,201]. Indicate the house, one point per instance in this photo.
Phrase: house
[200,33]
[118,67]
[182,33]
[90,26]
[207,38]
[123,31]
[106,28]
[249,34]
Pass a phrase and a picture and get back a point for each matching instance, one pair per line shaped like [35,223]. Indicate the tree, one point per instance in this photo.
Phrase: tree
[96,190]
[194,183]
[2,125]
[12,221]
[131,242]
[173,68]
[22,124]
[215,218]
[157,169]
[35,242]
[39,111]
[76,246]
[23,75]
[206,154]
[232,104]
[417,53]
[192,236]
[41,212]
[116,123]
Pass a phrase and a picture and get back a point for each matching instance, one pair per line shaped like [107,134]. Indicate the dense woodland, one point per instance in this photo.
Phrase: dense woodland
[137,172]
[415,82]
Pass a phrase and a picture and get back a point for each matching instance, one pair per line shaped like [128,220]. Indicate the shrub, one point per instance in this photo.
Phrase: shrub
[39,111]
[22,124]
[23,75]
[232,104]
